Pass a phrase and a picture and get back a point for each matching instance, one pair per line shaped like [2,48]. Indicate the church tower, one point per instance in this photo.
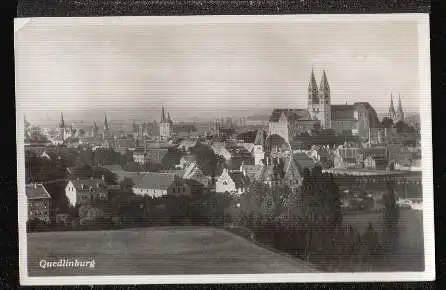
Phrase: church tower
[400,112]
[61,127]
[165,125]
[313,97]
[259,153]
[325,102]
[95,129]
[106,128]
[107,133]
[392,113]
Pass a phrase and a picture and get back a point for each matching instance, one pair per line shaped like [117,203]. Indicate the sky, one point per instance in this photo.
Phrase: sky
[125,65]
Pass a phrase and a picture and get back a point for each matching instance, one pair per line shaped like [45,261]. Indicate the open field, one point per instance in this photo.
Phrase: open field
[156,251]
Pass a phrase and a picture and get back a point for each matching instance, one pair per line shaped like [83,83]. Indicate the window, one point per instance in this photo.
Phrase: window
[173,190]
[225,183]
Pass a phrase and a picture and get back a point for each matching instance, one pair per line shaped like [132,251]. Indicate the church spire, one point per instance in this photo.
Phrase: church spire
[392,113]
[163,115]
[324,87]
[62,123]
[105,122]
[312,89]
[400,111]
[168,118]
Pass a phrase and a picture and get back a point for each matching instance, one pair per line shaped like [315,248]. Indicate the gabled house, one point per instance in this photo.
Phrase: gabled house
[193,172]
[253,172]
[153,155]
[157,184]
[231,182]
[38,202]
[82,191]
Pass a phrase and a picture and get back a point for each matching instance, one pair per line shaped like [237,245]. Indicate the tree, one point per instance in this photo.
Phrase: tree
[127,184]
[391,209]
[206,159]
[87,156]
[106,156]
[321,198]
[86,172]
[172,158]
[133,167]
[386,122]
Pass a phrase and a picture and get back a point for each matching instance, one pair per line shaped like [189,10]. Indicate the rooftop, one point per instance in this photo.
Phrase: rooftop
[36,191]
[153,180]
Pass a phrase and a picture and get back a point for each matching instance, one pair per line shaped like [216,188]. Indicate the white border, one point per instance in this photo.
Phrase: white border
[426,142]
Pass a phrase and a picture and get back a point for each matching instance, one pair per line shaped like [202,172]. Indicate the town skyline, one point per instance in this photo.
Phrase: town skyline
[210,67]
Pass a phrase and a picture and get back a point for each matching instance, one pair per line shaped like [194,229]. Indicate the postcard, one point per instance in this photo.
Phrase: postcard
[224,149]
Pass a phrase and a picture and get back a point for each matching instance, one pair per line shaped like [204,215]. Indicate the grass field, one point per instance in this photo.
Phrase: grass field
[156,251]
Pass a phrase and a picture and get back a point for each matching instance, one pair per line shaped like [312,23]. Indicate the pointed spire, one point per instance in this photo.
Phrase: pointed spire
[312,89]
[324,87]
[391,108]
[168,118]
[400,111]
[163,115]
[61,122]
[105,122]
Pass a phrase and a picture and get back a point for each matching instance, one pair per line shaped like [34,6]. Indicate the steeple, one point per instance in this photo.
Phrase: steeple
[313,95]
[324,87]
[61,123]
[106,123]
[95,127]
[400,112]
[392,113]
[163,115]
[168,118]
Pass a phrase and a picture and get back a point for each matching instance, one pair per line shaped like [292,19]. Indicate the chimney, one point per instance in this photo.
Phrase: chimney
[103,178]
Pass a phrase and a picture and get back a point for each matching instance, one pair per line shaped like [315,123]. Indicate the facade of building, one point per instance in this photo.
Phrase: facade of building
[38,202]
[107,133]
[165,125]
[231,182]
[398,114]
[155,184]
[82,191]
[319,100]
[346,119]
[63,131]
[259,148]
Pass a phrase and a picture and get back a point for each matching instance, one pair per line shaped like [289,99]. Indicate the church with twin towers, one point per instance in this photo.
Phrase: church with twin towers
[345,119]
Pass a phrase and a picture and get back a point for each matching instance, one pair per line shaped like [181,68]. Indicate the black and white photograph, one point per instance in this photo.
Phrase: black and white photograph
[224,149]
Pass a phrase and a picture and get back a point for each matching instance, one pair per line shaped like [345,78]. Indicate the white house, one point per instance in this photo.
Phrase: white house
[81,191]
[157,184]
[232,182]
